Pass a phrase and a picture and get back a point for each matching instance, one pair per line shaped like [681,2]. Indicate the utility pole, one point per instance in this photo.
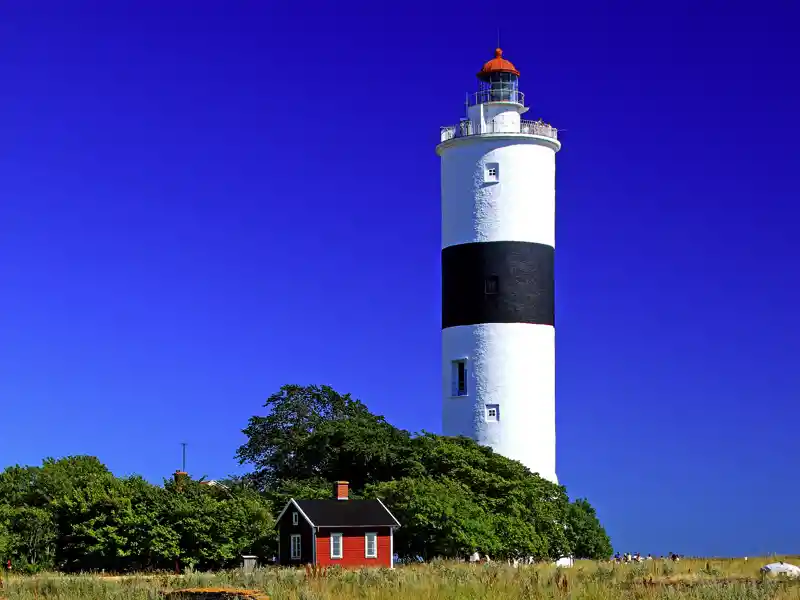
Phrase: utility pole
[183,468]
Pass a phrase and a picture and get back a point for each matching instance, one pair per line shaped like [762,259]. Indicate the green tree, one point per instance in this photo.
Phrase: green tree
[92,521]
[38,486]
[439,518]
[216,526]
[30,495]
[27,537]
[529,512]
[75,515]
[587,536]
[451,495]
[316,434]
[313,436]
[117,525]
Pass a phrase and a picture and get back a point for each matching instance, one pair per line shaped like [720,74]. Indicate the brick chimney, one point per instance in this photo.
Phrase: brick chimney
[340,490]
[179,477]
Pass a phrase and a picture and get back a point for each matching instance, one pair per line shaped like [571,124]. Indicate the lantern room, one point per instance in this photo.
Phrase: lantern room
[499,81]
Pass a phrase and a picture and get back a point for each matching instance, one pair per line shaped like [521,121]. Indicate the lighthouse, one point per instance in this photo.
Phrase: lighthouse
[498,245]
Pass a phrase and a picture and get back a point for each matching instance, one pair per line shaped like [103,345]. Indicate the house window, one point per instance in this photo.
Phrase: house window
[371,545]
[295,546]
[459,378]
[492,412]
[491,285]
[295,519]
[336,545]
[492,172]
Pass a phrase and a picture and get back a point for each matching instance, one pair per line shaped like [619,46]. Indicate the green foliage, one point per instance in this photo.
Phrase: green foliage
[452,495]
[316,434]
[74,515]
[439,518]
[30,532]
[587,536]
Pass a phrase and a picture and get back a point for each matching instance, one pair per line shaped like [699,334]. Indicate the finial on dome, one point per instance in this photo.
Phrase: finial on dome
[498,53]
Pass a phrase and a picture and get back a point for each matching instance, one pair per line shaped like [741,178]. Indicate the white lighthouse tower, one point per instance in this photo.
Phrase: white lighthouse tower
[498,244]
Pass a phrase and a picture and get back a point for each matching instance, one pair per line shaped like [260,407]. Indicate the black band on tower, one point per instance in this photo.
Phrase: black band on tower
[498,282]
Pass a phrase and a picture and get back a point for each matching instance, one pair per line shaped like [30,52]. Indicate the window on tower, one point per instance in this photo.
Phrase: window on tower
[459,378]
[491,285]
[492,172]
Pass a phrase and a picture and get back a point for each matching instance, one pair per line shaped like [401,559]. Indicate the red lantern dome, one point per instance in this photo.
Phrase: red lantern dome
[497,65]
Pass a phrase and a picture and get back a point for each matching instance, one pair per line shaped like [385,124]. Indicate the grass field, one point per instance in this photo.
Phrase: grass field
[729,579]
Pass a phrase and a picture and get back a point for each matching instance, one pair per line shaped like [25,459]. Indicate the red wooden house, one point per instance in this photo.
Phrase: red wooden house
[339,531]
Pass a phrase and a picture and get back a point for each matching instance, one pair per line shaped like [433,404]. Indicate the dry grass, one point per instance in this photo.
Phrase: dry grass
[215,594]
[712,579]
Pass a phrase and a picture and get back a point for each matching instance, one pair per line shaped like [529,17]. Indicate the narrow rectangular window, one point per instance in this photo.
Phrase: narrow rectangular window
[371,545]
[491,285]
[336,545]
[295,519]
[459,378]
[295,546]
[492,412]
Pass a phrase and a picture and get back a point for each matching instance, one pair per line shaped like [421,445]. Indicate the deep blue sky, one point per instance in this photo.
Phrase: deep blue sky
[200,202]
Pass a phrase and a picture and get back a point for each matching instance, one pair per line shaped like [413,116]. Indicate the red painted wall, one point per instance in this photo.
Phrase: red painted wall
[353,547]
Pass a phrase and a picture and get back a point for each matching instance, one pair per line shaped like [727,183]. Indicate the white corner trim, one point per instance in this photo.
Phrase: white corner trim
[391,547]
[390,512]
[313,545]
[300,510]
[285,508]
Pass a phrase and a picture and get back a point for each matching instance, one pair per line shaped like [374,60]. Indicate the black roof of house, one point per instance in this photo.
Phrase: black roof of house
[347,513]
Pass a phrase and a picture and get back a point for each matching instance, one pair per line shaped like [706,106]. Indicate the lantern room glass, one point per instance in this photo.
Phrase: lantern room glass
[500,87]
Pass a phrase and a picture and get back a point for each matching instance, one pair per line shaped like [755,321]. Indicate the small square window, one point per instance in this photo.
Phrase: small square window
[491,285]
[492,172]
[492,412]
[295,518]
[459,378]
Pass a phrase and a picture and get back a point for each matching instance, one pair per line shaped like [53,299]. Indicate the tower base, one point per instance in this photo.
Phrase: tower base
[507,397]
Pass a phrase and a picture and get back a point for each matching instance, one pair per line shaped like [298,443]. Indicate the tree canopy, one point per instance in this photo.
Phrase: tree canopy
[451,495]
[74,515]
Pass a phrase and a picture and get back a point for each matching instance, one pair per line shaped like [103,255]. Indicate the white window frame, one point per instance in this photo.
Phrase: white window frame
[295,518]
[374,545]
[488,176]
[496,409]
[454,392]
[293,546]
[341,546]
